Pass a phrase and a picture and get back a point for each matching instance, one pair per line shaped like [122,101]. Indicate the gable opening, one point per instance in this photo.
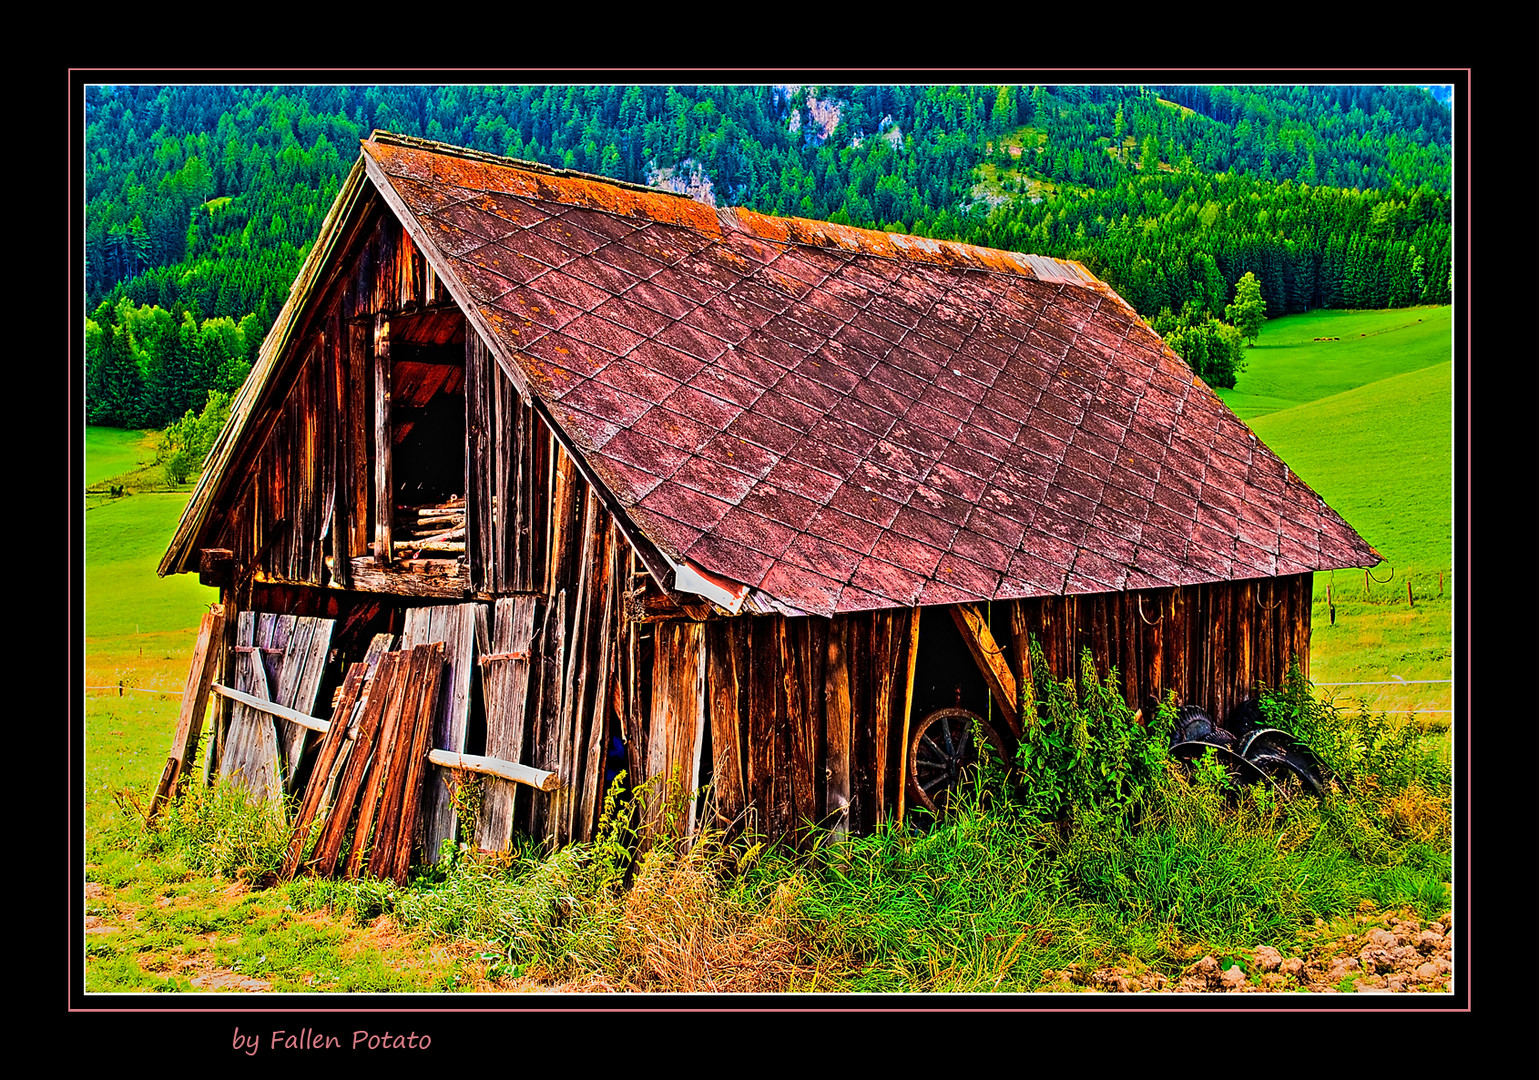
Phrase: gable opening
[425,472]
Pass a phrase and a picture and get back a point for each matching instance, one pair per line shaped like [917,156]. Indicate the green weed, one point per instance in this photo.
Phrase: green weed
[220,830]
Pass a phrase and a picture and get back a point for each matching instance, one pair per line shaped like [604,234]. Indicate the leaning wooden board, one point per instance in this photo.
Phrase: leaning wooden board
[251,751]
[189,723]
[299,681]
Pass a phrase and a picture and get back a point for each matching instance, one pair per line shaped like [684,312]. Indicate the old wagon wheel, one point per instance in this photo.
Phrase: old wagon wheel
[943,751]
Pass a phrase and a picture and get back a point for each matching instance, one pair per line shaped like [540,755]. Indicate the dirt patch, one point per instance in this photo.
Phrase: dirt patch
[227,981]
[1385,953]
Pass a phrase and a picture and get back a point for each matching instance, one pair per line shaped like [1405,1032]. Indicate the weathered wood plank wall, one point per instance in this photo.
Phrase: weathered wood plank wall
[1213,644]
[291,511]
[806,716]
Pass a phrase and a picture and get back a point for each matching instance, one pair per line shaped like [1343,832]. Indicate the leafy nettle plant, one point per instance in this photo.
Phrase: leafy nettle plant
[1082,748]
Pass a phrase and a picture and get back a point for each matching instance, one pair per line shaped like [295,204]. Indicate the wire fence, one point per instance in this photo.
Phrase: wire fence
[122,688]
[1397,681]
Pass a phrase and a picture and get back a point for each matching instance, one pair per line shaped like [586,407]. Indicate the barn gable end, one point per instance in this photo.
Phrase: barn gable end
[732,460]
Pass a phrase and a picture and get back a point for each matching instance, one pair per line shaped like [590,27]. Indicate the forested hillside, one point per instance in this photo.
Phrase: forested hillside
[201,199]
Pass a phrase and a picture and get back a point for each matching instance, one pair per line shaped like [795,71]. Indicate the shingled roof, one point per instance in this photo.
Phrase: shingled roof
[840,419]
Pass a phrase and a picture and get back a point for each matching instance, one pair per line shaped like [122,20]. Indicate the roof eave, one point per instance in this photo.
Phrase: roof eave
[274,345]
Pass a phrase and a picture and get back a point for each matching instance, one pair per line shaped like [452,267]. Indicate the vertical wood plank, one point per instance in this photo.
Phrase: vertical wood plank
[678,723]
[725,677]
[548,715]
[883,680]
[862,736]
[506,691]
[1244,640]
[1177,644]
[425,706]
[839,721]
[357,441]
[605,614]
[384,488]
[394,668]
[765,752]
[322,776]
[251,752]
[454,625]
[908,706]
[328,845]
[480,451]
[337,347]
[395,758]
[1303,616]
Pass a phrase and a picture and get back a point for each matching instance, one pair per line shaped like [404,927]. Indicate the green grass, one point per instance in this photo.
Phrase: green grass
[1381,456]
[139,633]
[1367,421]
[125,539]
[111,452]
[168,908]
[1288,367]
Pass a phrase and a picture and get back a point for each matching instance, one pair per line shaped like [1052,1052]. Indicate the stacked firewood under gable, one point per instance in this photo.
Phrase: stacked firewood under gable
[431,532]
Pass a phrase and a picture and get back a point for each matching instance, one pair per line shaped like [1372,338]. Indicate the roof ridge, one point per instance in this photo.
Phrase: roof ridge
[433,146]
[775,228]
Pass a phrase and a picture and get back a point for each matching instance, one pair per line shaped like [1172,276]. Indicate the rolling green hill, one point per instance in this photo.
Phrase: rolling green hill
[1291,366]
[1367,421]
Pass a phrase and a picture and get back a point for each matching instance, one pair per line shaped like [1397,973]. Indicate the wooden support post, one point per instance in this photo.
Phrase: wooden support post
[990,659]
[838,721]
[908,709]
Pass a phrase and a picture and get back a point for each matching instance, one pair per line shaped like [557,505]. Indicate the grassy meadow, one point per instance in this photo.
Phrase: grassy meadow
[992,900]
[1367,421]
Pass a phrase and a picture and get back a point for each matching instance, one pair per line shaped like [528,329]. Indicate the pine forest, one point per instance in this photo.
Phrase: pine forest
[201,200]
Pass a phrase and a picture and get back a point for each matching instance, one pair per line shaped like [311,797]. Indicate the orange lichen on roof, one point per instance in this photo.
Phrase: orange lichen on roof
[901,246]
[511,178]
[530,180]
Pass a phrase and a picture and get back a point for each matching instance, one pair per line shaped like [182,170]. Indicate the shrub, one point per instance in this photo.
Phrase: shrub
[185,443]
[1369,751]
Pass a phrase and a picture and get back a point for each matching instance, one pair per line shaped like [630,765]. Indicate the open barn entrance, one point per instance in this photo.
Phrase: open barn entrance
[944,675]
[953,709]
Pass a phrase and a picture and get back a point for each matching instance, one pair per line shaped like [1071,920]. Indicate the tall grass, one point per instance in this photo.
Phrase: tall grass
[1133,860]
[1128,857]
[660,914]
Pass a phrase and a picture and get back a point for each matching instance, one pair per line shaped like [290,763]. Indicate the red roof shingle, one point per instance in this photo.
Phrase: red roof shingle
[845,419]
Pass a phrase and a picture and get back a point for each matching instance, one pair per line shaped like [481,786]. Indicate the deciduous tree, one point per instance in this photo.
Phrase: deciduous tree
[1248,311]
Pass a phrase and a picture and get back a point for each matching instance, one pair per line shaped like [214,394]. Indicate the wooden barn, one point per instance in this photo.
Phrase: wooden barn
[706,495]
